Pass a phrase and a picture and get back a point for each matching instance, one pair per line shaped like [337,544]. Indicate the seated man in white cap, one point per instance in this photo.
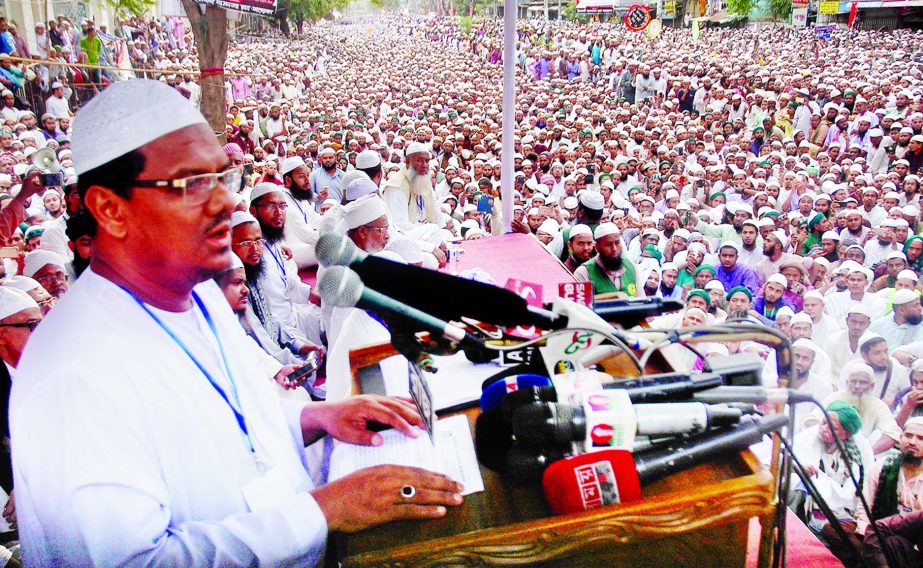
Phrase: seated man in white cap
[166,455]
[590,207]
[301,218]
[409,193]
[609,271]
[368,168]
[822,325]
[858,279]
[48,268]
[905,324]
[248,244]
[891,377]
[277,362]
[581,246]
[843,346]
[35,290]
[19,314]
[287,296]
[807,381]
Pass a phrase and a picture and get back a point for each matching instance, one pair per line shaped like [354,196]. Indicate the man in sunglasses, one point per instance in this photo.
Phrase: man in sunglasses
[142,431]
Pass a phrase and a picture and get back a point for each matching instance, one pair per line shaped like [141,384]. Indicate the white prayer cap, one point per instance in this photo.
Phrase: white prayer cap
[730,244]
[785,312]
[804,342]
[859,309]
[367,159]
[21,282]
[669,266]
[364,211]
[360,187]
[897,254]
[13,301]
[38,259]
[801,317]
[241,217]
[126,116]
[908,274]
[49,193]
[549,226]
[814,294]
[831,235]
[778,279]
[325,151]
[580,229]
[416,148]
[235,262]
[604,230]
[592,200]
[866,337]
[407,249]
[290,164]
[903,296]
[261,189]
[714,284]
[682,233]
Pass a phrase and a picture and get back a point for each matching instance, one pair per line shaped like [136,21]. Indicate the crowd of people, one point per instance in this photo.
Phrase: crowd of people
[758,175]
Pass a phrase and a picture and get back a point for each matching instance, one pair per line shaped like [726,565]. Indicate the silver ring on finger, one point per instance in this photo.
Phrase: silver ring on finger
[408,491]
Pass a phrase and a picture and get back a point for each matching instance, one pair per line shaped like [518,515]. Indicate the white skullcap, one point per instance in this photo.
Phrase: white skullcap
[264,188]
[325,151]
[549,226]
[859,309]
[360,187]
[592,200]
[241,217]
[778,279]
[908,274]
[832,235]
[697,311]
[785,312]
[896,254]
[290,164]
[416,148]
[804,342]
[903,296]
[604,230]
[669,266]
[367,159]
[801,317]
[580,229]
[235,262]
[814,294]
[730,244]
[364,211]
[126,116]
[37,259]
[21,282]
[714,284]
[13,301]
[866,337]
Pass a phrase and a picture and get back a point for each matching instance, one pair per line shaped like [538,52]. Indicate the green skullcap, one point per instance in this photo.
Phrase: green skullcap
[707,267]
[743,289]
[848,415]
[700,293]
[652,250]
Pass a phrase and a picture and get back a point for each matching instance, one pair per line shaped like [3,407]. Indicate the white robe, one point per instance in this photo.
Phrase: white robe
[124,453]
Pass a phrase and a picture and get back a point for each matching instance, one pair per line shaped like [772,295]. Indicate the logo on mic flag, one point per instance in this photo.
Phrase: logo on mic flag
[597,485]
[602,435]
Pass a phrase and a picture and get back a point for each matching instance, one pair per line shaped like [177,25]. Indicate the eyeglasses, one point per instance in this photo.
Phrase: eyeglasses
[30,325]
[49,279]
[47,302]
[382,229]
[197,189]
[258,243]
[273,207]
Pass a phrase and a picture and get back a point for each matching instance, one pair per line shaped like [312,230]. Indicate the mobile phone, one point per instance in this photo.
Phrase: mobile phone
[9,252]
[485,204]
[248,169]
[591,168]
[309,367]
[53,180]
[588,179]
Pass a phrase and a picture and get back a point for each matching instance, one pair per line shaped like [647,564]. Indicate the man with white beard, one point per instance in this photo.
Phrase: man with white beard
[878,424]
[409,193]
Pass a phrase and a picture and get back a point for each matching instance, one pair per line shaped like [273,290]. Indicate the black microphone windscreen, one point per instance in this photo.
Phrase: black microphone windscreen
[545,424]
[528,464]
[493,438]
[525,396]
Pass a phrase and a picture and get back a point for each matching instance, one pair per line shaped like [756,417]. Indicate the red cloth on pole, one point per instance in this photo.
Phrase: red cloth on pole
[852,13]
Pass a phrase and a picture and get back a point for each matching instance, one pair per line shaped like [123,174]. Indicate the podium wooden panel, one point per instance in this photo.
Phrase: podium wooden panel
[698,517]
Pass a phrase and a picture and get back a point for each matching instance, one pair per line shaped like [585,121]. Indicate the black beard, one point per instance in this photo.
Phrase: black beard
[80,264]
[649,291]
[914,319]
[253,273]
[803,375]
[301,194]
[611,264]
[908,458]
[331,169]
[272,234]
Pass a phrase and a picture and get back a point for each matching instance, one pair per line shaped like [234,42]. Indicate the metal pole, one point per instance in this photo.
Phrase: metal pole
[509,110]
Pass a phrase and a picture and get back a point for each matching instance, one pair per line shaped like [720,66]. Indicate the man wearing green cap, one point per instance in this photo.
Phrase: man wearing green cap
[818,224]
[758,140]
[816,449]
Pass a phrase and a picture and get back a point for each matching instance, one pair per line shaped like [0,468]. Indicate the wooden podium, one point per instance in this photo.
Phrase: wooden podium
[697,517]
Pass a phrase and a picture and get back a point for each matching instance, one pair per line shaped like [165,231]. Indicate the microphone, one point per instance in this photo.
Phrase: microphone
[754,395]
[494,395]
[442,295]
[597,479]
[605,422]
[630,312]
[341,287]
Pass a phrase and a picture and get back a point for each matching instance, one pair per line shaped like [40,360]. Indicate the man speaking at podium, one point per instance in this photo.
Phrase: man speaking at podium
[142,431]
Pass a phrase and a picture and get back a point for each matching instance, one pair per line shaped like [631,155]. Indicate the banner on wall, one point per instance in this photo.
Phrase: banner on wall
[260,7]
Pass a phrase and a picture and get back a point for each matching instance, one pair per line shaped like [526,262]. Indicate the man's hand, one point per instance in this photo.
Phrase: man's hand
[520,227]
[904,358]
[914,398]
[810,470]
[31,185]
[287,252]
[309,348]
[9,512]
[348,421]
[441,257]
[282,377]
[372,496]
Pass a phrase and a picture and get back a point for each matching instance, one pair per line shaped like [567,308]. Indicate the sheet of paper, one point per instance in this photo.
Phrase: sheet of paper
[458,380]
[451,453]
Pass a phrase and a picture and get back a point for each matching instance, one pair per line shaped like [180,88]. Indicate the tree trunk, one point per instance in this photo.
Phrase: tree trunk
[211,36]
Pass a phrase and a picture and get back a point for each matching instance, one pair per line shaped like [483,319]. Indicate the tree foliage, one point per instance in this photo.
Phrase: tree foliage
[300,11]
[780,9]
[741,7]
[570,13]
[126,8]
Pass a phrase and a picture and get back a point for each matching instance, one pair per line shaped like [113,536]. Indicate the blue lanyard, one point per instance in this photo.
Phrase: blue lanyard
[280,262]
[300,209]
[241,422]
[375,317]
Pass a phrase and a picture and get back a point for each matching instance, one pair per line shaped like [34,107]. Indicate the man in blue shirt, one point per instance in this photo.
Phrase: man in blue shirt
[327,175]
[732,274]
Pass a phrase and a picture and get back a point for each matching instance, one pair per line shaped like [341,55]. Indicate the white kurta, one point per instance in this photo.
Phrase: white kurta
[287,295]
[301,230]
[124,453]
